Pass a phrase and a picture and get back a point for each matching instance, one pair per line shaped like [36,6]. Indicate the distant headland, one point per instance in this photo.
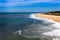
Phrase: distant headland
[57,13]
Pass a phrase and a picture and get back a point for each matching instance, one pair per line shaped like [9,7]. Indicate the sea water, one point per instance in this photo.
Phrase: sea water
[26,26]
[13,22]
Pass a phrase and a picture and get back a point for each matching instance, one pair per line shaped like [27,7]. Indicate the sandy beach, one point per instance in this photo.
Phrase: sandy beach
[50,17]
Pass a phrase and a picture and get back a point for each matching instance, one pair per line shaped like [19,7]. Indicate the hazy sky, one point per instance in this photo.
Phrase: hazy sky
[29,5]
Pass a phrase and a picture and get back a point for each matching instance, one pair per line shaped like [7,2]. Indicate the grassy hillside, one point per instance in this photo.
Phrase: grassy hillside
[53,13]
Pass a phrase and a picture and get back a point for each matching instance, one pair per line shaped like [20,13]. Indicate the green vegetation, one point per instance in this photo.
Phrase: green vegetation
[53,13]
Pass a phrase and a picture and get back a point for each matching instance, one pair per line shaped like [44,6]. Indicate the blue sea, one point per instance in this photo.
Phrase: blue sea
[11,22]
[26,26]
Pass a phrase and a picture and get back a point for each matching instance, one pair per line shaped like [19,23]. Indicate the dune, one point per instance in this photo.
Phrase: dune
[50,17]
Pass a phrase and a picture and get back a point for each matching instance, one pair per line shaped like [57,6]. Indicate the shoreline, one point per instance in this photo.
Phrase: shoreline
[50,17]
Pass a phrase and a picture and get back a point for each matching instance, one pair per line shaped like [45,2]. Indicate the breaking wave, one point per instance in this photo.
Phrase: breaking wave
[42,28]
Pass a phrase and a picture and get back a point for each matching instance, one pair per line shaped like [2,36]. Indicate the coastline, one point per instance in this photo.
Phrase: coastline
[50,17]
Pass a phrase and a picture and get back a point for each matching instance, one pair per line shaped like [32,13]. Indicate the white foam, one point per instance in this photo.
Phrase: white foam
[55,32]
[39,18]
[18,32]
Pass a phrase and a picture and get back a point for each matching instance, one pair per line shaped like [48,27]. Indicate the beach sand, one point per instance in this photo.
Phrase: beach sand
[50,17]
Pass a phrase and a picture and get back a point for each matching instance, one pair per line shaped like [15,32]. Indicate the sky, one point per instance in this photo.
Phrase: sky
[29,5]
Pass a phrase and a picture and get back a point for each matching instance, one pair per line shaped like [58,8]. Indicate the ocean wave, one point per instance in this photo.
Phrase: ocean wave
[36,30]
[55,24]
[45,28]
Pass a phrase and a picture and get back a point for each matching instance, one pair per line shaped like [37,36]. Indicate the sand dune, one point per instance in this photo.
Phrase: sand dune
[50,17]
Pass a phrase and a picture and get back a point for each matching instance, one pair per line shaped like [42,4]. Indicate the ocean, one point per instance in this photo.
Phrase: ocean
[25,26]
[10,22]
